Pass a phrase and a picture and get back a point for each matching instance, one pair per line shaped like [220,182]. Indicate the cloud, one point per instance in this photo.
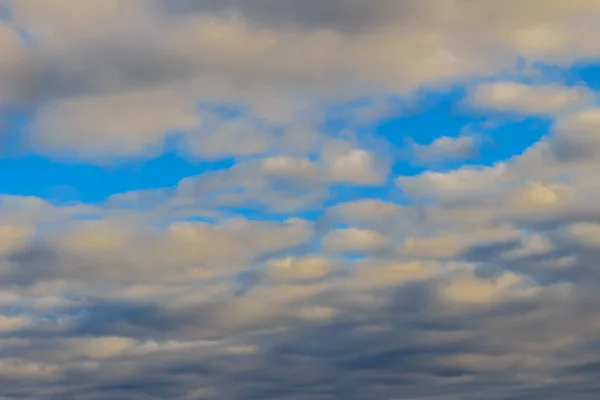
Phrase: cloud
[473,291]
[530,100]
[576,135]
[461,184]
[127,124]
[585,233]
[353,240]
[393,274]
[298,269]
[345,164]
[280,184]
[9,324]
[112,251]
[452,245]
[447,148]
[137,313]
[249,53]
[309,15]
[301,269]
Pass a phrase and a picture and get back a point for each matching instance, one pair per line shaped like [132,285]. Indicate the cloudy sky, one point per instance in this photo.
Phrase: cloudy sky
[299,199]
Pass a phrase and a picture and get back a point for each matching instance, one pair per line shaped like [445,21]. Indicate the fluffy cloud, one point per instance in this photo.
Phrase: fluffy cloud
[296,269]
[108,250]
[447,149]
[531,100]
[353,240]
[125,124]
[260,54]
[142,308]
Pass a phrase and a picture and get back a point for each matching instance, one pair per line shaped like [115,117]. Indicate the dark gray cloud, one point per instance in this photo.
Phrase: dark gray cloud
[409,349]
[95,69]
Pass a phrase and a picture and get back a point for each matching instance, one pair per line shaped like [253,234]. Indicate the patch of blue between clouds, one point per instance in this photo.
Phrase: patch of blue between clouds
[437,114]
[586,74]
[501,136]
[60,180]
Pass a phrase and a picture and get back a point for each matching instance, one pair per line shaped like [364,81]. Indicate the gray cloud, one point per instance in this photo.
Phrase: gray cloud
[341,15]
[481,284]
[75,70]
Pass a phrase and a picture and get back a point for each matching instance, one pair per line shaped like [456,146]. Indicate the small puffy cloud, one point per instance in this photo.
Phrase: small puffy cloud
[247,135]
[13,324]
[582,122]
[126,124]
[22,370]
[293,168]
[460,184]
[365,210]
[320,314]
[527,99]
[351,240]
[281,183]
[446,148]
[241,350]
[454,244]
[344,164]
[531,246]
[222,139]
[585,233]
[537,196]
[297,269]
[382,274]
[470,290]
[100,348]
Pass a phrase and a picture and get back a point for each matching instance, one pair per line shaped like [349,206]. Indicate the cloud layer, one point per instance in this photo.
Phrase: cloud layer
[318,260]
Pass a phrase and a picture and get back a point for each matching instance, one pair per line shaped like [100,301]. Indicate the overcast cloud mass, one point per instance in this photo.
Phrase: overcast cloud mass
[299,199]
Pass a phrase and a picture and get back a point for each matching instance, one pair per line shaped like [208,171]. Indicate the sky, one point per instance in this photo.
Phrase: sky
[299,199]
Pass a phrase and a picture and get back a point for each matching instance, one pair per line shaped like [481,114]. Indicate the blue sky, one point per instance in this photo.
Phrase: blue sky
[437,114]
[299,199]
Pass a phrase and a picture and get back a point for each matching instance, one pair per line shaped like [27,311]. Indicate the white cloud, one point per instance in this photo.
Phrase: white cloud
[527,99]
[447,148]
[353,240]
[365,210]
[453,244]
[345,164]
[295,168]
[478,274]
[537,196]
[533,245]
[13,236]
[476,291]
[80,64]
[298,269]
[127,124]
[318,313]
[586,233]
[463,183]
[394,273]
[22,370]
[12,324]
[112,251]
